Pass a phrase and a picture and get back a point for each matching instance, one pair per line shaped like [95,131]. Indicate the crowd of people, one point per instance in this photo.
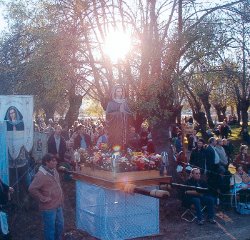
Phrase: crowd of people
[62,142]
[207,164]
[88,134]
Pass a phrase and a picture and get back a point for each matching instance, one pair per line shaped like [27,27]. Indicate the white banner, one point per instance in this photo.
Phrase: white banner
[40,147]
[17,112]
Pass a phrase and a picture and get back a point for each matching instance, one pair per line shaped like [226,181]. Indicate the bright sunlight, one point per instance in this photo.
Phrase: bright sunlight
[117,45]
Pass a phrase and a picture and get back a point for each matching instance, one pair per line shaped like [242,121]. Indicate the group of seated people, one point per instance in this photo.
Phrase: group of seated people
[220,181]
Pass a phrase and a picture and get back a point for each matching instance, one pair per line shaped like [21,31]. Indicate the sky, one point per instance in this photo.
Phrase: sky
[3,23]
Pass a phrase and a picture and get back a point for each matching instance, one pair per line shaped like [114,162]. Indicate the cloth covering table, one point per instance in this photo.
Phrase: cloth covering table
[114,215]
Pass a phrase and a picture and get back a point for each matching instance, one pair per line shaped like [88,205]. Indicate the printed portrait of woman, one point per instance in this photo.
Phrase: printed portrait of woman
[14,119]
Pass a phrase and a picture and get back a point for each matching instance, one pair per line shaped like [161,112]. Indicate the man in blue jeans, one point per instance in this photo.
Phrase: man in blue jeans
[199,197]
[47,189]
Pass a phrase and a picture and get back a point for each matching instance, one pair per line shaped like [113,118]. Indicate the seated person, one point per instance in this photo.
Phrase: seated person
[243,159]
[240,180]
[199,197]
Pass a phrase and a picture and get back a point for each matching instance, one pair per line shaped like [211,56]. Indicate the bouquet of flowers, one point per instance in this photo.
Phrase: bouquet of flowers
[121,161]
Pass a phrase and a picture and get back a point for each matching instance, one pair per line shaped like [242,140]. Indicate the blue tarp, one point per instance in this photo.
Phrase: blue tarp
[4,163]
[113,215]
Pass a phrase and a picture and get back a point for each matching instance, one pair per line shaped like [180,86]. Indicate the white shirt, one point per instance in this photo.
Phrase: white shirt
[57,140]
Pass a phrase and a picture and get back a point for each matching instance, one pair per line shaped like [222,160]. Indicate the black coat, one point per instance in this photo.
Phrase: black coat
[77,141]
[210,158]
[186,199]
[213,177]
[52,147]
[198,158]
[4,196]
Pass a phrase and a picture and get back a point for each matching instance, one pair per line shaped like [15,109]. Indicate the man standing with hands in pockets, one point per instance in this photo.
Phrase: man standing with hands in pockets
[47,189]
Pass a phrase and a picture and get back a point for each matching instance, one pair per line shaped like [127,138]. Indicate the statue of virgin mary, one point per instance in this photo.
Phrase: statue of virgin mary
[117,115]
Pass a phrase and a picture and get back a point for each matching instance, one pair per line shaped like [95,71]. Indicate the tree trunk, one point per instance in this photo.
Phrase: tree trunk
[223,111]
[238,109]
[75,102]
[220,111]
[200,118]
[244,109]
[204,97]
[232,110]
[178,118]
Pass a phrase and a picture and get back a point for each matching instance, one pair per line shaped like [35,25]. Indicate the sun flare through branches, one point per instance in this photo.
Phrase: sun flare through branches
[117,45]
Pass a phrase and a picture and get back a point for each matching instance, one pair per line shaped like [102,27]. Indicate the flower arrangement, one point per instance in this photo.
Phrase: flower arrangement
[124,161]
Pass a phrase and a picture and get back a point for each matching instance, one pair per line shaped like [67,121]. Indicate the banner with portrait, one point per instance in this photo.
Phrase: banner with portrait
[4,163]
[40,147]
[17,113]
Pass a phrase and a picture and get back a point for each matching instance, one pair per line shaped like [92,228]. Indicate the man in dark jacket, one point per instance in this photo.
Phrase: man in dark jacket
[198,156]
[212,156]
[199,197]
[213,165]
[57,144]
[82,140]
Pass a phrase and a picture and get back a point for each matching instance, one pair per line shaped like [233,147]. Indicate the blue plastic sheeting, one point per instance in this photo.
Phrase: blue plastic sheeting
[4,163]
[113,215]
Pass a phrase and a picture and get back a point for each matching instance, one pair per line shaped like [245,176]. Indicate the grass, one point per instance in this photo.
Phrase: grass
[235,138]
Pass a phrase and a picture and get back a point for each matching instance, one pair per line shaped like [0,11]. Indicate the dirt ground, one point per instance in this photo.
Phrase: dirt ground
[25,222]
